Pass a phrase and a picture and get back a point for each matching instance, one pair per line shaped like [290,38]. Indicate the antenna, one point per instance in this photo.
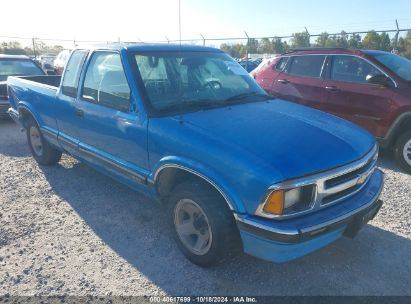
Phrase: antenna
[179,20]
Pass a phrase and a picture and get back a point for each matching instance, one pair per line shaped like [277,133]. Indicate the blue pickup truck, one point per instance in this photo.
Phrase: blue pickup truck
[231,166]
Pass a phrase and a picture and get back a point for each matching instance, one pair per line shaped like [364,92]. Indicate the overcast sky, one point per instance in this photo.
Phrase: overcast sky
[152,20]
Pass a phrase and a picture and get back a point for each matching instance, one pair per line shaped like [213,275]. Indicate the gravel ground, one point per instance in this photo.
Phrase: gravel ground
[70,230]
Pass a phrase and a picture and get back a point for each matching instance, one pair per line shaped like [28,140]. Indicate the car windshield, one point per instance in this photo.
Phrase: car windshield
[18,67]
[398,64]
[187,81]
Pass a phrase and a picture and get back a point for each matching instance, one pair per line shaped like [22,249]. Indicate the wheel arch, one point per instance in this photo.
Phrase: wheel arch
[26,112]
[171,170]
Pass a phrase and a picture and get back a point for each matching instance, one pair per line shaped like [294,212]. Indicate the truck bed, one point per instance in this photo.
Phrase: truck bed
[53,80]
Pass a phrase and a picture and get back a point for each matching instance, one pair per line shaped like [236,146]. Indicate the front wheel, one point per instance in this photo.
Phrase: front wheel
[41,150]
[402,151]
[202,224]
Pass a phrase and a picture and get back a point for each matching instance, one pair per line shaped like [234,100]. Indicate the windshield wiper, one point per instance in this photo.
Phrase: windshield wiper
[249,94]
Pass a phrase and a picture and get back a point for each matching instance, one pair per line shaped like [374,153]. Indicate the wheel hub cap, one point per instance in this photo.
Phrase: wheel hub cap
[192,226]
[35,140]
[407,152]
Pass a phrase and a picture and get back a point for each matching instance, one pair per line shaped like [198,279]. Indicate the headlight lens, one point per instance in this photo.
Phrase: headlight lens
[288,201]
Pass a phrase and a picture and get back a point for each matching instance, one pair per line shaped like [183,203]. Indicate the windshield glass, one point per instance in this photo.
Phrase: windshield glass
[399,65]
[18,67]
[186,81]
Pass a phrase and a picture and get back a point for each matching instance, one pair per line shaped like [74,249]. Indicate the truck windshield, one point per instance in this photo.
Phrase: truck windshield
[187,81]
[18,67]
[399,65]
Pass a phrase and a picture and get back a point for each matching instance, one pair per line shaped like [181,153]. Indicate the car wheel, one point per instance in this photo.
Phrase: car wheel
[202,224]
[41,150]
[402,151]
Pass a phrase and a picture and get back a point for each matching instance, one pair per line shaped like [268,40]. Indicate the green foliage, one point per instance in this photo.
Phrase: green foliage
[15,48]
[300,40]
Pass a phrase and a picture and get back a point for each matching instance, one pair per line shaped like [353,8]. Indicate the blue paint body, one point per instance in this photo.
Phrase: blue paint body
[241,149]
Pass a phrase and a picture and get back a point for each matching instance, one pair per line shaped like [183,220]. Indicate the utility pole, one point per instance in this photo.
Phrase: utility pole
[248,43]
[34,47]
[203,39]
[309,36]
[395,46]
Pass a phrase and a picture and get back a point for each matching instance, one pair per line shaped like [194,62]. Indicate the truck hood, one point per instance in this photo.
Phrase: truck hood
[291,139]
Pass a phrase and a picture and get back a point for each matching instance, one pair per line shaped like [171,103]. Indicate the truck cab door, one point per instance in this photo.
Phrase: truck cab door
[350,96]
[66,103]
[111,131]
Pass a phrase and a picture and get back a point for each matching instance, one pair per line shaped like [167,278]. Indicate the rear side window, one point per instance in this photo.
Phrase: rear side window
[72,74]
[352,69]
[105,82]
[309,66]
[280,66]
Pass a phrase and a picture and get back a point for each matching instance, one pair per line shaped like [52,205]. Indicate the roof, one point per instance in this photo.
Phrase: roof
[321,50]
[7,56]
[156,47]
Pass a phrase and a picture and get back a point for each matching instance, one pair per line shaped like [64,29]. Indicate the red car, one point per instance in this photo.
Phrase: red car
[370,88]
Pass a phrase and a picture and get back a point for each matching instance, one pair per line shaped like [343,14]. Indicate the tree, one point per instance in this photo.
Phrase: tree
[279,47]
[252,46]
[322,39]
[265,46]
[385,43]
[300,40]
[371,41]
[354,42]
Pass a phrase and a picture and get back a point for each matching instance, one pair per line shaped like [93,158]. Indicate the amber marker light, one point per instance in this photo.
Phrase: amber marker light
[275,203]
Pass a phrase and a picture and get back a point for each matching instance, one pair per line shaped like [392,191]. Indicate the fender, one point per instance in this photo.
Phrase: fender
[29,108]
[394,127]
[207,174]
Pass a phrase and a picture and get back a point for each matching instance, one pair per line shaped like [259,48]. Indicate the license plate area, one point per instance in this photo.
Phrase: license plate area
[360,220]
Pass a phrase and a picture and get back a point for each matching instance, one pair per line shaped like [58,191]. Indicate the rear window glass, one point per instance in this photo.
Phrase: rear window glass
[309,66]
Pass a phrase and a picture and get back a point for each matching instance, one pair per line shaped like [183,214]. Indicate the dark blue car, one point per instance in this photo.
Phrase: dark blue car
[230,165]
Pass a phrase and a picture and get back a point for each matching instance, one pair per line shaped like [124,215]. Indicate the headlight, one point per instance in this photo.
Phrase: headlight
[287,201]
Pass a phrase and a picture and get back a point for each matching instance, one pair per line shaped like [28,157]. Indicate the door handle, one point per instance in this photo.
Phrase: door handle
[79,112]
[283,81]
[332,88]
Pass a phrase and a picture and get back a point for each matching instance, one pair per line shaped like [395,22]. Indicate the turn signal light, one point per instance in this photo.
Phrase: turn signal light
[275,203]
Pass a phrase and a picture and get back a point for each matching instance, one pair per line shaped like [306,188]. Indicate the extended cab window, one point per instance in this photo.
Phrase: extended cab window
[351,69]
[309,66]
[72,73]
[105,82]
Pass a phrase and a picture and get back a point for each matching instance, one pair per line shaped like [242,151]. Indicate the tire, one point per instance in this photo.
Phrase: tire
[402,151]
[213,221]
[41,150]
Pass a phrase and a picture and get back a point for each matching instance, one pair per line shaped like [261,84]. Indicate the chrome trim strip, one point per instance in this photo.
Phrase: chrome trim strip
[63,140]
[49,133]
[114,165]
[318,181]
[264,227]
[229,203]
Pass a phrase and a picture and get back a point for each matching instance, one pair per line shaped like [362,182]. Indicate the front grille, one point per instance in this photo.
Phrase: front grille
[346,183]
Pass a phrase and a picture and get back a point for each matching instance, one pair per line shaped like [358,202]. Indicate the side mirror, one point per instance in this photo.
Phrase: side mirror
[51,72]
[379,79]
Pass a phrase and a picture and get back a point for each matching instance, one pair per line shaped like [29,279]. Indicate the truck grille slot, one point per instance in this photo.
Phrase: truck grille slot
[346,184]
[349,176]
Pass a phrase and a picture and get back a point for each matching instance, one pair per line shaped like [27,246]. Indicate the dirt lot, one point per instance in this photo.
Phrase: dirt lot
[70,230]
